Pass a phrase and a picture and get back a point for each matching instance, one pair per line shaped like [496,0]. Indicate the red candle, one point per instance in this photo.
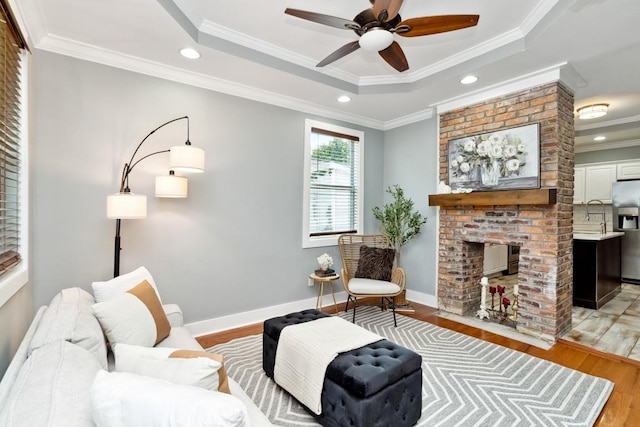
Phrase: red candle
[492,289]
[506,302]
[500,289]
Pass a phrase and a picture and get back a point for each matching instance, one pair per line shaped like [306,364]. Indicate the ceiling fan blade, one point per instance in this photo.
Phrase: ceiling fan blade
[435,24]
[343,51]
[391,6]
[395,57]
[329,20]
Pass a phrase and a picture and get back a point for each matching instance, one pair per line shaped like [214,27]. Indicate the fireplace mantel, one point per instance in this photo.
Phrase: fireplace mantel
[541,196]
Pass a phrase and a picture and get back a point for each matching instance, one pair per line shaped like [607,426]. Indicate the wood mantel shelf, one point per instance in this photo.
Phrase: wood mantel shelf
[542,196]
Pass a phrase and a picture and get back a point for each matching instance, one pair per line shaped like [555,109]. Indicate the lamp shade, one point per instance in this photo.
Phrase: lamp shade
[126,206]
[171,186]
[376,40]
[186,158]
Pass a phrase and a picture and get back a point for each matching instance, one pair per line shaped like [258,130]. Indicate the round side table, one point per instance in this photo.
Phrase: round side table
[322,280]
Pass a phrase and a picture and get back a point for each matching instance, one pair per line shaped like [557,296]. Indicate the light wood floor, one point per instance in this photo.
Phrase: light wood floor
[622,409]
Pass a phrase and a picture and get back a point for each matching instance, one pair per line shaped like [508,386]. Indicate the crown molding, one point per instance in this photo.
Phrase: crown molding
[584,148]
[526,81]
[409,119]
[114,59]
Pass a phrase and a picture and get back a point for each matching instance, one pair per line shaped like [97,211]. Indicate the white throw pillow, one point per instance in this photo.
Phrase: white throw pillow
[196,368]
[133,317]
[120,399]
[103,291]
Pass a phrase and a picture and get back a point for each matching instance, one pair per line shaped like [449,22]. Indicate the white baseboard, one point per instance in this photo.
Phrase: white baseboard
[218,324]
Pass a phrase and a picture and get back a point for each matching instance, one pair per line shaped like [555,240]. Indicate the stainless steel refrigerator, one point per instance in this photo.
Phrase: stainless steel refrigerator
[626,208]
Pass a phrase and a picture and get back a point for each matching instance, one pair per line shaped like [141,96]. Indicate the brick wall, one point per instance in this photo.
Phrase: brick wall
[544,233]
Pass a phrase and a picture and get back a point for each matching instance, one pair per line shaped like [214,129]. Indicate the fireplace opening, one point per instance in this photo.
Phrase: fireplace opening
[499,301]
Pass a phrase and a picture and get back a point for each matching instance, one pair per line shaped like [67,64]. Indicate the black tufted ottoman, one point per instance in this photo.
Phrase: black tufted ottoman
[379,384]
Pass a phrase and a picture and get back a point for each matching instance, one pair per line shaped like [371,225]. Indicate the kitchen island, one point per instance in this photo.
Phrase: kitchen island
[597,272]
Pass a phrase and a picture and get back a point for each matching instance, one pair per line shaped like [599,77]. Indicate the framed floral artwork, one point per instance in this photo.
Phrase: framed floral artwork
[504,159]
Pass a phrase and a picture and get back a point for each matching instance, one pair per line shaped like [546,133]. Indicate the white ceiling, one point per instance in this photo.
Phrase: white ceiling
[253,49]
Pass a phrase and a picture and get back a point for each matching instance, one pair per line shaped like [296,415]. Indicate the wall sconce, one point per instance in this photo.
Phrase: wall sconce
[127,205]
[592,111]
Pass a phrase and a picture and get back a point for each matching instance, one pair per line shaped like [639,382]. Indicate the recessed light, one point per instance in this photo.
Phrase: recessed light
[344,98]
[190,53]
[467,80]
[600,138]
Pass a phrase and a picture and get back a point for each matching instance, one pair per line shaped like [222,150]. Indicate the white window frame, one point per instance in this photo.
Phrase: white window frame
[13,280]
[332,240]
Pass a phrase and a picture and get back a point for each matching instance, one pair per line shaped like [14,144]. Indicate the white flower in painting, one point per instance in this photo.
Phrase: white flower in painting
[464,167]
[512,165]
[469,146]
[510,151]
[497,139]
[483,149]
[496,151]
[454,163]
[460,159]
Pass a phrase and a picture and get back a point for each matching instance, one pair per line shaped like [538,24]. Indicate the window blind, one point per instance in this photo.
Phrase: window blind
[11,44]
[333,183]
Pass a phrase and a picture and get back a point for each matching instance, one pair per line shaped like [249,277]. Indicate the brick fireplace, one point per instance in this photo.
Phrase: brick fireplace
[543,232]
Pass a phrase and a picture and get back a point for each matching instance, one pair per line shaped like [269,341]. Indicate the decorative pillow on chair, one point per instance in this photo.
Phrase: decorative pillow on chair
[133,317]
[121,399]
[196,368]
[375,263]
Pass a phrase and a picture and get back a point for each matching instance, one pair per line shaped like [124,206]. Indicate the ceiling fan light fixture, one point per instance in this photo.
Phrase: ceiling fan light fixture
[376,39]
[592,111]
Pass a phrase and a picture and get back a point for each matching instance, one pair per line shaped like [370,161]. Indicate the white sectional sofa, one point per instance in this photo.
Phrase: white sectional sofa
[49,381]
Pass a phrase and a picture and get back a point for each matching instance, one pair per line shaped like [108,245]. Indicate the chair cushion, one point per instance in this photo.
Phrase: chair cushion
[375,263]
[372,287]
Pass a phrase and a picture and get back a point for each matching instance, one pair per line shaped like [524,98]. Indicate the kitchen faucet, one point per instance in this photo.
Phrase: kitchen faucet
[603,220]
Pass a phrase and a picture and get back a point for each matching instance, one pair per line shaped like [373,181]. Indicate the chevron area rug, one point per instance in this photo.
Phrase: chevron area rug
[466,381]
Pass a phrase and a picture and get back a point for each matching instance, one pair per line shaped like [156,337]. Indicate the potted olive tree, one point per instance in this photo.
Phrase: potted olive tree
[400,223]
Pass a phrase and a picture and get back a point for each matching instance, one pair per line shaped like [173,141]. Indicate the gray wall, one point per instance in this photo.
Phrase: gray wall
[410,160]
[616,154]
[234,245]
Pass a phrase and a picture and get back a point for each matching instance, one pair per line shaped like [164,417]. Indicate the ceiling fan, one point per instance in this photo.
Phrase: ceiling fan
[376,27]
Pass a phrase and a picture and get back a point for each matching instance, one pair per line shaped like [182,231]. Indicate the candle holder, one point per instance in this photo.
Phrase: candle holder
[483,313]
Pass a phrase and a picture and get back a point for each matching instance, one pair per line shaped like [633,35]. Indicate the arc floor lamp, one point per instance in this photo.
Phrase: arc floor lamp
[127,205]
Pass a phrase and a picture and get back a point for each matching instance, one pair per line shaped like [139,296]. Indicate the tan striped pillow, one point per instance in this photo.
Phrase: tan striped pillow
[133,317]
[223,384]
[196,368]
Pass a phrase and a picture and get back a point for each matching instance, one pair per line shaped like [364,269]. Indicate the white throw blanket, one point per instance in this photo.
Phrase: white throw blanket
[305,351]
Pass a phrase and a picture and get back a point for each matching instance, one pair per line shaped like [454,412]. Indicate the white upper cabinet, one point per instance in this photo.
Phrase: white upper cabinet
[594,182]
[578,185]
[598,181]
[628,170]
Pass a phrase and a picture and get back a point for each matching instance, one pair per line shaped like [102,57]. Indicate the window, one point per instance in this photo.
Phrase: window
[12,50]
[333,183]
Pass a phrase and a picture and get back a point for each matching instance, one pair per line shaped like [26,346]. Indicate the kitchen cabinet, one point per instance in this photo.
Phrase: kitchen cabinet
[597,273]
[495,259]
[578,186]
[628,171]
[594,183]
